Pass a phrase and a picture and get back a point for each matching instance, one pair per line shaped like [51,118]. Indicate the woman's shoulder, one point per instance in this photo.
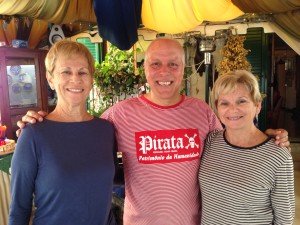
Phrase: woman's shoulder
[275,150]
[215,133]
[36,126]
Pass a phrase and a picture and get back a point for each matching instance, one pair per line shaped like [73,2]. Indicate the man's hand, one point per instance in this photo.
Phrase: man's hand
[30,117]
[281,137]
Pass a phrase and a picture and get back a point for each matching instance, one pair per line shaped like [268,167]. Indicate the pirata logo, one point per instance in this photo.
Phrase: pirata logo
[167,145]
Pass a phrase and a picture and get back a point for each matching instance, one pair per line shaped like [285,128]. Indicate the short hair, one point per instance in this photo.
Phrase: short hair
[68,48]
[227,83]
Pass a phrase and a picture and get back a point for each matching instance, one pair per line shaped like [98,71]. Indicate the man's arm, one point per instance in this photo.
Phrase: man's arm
[280,135]
[30,117]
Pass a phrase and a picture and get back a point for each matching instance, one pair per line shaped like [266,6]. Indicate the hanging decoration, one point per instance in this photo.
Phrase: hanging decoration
[234,55]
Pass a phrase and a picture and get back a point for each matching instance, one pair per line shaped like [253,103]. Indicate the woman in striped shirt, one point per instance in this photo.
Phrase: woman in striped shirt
[244,177]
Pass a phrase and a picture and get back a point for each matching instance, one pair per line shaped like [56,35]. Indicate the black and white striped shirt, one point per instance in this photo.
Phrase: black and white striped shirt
[246,185]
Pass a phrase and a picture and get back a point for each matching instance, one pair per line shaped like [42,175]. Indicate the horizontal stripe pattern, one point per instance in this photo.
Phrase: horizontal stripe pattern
[160,193]
[246,185]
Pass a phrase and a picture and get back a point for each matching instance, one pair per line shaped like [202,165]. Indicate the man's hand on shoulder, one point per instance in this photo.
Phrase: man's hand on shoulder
[281,137]
[30,117]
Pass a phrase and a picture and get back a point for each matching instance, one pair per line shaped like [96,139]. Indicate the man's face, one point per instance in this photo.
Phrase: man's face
[164,69]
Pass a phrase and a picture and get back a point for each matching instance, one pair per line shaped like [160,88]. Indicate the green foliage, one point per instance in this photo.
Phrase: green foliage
[117,76]
[95,112]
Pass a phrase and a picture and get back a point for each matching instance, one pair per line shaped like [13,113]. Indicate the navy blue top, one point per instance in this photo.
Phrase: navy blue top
[69,168]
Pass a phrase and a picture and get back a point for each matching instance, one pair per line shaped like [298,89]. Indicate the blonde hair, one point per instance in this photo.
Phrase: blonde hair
[68,48]
[227,83]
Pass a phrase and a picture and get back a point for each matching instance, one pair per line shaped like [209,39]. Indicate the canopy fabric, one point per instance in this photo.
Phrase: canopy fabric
[170,16]
[217,10]
[267,6]
[175,17]
[44,12]
[285,13]
[118,21]
[38,27]
[52,11]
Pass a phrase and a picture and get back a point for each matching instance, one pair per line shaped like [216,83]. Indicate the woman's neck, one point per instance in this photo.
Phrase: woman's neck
[247,138]
[69,115]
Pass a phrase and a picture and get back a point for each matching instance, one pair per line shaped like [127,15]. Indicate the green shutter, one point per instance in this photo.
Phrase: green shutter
[259,57]
[93,47]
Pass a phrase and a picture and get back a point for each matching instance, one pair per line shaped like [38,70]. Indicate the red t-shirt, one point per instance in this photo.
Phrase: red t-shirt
[161,148]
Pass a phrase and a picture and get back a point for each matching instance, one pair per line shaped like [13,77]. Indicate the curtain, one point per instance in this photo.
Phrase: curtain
[290,22]
[118,21]
[39,31]
[8,32]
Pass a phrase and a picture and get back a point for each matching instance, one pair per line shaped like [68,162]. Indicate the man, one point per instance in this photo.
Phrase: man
[161,136]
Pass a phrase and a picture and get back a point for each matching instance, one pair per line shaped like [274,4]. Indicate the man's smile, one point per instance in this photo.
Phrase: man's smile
[165,83]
